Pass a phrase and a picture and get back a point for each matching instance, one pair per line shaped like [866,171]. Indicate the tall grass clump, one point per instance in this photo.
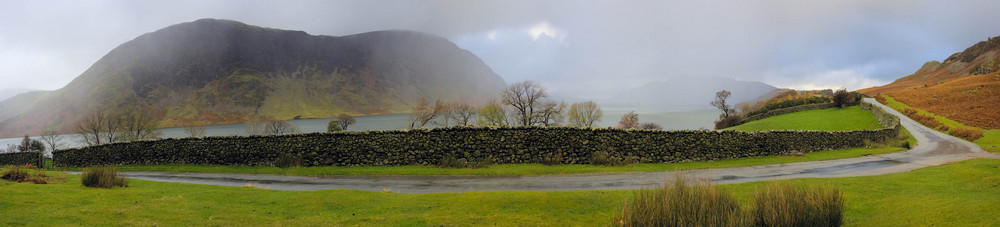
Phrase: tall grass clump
[15,173]
[286,160]
[786,205]
[679,204]
[103,177]
[701,204]
[551,159]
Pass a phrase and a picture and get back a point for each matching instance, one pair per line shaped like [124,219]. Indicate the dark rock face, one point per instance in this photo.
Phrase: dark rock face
[217,71]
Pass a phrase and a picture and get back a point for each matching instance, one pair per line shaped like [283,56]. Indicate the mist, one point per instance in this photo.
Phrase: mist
[590,50]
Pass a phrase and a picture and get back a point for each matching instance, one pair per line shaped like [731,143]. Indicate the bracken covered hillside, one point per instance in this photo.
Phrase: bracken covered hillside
[965,87]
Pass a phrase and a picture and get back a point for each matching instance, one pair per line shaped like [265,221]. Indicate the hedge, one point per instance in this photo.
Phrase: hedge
[20,158]
[506,145]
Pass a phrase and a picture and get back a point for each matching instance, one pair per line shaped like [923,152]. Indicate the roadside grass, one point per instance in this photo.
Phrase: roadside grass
[961,194]
[989,142]
[506,169]
[832,119]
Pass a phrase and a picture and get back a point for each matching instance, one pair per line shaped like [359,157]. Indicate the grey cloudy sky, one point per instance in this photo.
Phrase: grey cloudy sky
[588,49]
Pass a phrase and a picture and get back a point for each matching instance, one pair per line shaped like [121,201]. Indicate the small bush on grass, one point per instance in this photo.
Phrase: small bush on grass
[286,160]
[970,134]
[16,174]
[602,158]
[681,205]
[552,159]
[103,177]
[786,205]
[449,161]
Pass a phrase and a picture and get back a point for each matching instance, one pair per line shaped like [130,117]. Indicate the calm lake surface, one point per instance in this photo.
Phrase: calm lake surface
[697,119]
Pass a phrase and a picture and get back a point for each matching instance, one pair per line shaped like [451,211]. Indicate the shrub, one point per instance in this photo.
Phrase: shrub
[970,134]
[15,173]
[730,121]
[551,159]
[681,205]
[600,158]
[103,177]
[449,161]
[650,126]
[906,144]
[786,205]
[334,126]
[286,160]
[842,98]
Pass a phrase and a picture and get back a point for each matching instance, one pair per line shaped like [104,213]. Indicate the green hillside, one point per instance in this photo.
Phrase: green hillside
[833,119]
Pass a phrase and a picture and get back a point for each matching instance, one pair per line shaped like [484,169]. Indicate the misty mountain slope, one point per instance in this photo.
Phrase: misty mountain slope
[218,71]
[691,93]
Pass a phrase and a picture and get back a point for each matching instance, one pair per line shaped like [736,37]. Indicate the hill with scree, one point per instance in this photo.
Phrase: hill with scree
[219,71]
[965,87]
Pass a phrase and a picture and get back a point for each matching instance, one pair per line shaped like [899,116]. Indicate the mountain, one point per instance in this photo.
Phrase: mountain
[983,58]
[214,71]
[965,87]
[690,93]
[11,92]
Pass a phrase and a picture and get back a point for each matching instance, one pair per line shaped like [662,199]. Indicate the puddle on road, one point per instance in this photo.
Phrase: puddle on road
[861,166]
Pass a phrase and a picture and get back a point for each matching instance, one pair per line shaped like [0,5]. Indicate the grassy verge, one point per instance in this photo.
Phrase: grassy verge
[960,194]
[509,169]
[833,119]
[991,138]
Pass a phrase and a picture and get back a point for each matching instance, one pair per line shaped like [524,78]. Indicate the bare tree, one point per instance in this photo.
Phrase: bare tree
[584,114]
[525,97]
[720,102]
[445,117]
[91,128]
[462,114]
[51,138]
[630,120]
[195,131]
[137,124]
[424,113]
[551,113]
[493,114]
[256,125]
[279,127]
[345,120]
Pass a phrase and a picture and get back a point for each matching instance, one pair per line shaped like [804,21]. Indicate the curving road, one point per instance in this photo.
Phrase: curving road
[933,148]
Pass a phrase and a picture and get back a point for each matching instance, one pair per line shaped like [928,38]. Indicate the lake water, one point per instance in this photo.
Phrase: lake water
[698,119]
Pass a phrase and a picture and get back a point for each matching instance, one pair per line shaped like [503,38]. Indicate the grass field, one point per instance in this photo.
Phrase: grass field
[833,119]
[510,169]
[961,194]
[991,138]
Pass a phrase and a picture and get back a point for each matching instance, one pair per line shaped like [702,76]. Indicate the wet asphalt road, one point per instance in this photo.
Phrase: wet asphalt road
[933,148]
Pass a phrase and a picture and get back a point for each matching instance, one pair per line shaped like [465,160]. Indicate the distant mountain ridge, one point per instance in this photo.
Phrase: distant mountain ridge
[214,71]
[692,93]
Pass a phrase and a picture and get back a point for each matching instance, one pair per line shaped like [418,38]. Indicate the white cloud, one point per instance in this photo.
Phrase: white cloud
[851,78]
[542,30]
[492,35]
